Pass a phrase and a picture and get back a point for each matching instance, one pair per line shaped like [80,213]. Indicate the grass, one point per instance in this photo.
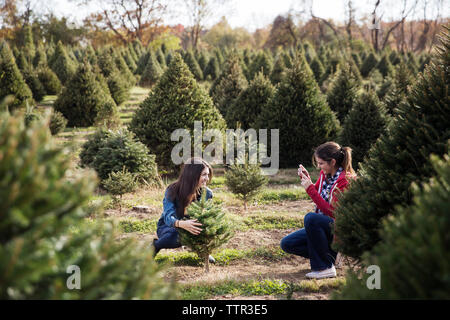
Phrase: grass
[223,257]
[141,226]
[280,288]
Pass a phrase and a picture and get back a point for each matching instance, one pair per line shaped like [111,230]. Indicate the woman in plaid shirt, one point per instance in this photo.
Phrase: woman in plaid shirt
[314,240]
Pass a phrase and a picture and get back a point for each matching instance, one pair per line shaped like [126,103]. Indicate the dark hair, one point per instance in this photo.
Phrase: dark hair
[331,150]
[185,188]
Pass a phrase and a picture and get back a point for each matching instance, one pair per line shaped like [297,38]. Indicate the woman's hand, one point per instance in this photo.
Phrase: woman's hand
[304,177]
[190,225]
[306,181]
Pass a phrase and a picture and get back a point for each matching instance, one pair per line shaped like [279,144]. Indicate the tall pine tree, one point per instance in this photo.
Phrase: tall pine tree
[365,122]
[11,80]
[46,237]
[413,254]
[301,113]
[398,158]
[174,103]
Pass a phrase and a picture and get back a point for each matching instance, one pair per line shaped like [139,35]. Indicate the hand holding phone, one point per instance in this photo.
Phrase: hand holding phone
[302,170]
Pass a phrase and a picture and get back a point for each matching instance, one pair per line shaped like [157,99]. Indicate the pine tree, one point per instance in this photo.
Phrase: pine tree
[62,64]
[28,44]
[44,229]
[342,92]
[385,66]
[216,230]
[369,63]
[212,69]
[248,105]
[142,63]
[413,254]
[302,115]
[193,65]
[365,122]
[49,80]
[279,69]
[398,158]
[152,72]
[120,183]
[175,102]
[399,89]
[245,180]
[129,60]
[83,102]
[40,58]
[318,70]
[109,151]
[261,62]
[11,80]
[161,59]
[229,85]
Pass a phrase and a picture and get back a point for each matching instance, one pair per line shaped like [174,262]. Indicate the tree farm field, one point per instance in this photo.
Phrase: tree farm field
[251,265]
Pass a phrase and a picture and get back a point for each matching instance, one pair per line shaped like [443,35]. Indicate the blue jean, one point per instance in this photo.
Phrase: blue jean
[313,241]
[168,238]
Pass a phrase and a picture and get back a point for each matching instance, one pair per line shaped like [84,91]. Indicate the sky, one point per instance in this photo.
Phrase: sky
[252,14]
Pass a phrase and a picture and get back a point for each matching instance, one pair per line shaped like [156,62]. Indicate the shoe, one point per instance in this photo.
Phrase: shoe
[327,273]
[211,259]
[155,251]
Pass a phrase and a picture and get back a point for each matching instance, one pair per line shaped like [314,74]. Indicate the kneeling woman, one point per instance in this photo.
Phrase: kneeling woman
[314,240]
[194,176]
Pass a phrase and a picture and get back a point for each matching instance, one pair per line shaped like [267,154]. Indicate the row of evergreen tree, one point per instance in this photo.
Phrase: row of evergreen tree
[249,89]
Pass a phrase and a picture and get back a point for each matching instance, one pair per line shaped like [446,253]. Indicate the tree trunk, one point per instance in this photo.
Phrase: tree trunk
[206,260]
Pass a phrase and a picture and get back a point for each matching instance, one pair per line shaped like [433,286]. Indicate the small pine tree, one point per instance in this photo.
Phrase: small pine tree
[120,183]
[413,254]
[11,80]
[398,158]
[245,181]
[216,230]
[57,122]
[109,151]
[365,122]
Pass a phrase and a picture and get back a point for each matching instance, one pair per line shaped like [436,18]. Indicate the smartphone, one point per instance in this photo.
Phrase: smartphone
[303,170]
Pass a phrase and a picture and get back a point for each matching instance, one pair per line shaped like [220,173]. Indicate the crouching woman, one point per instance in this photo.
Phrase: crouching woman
[314,240]
[194,176]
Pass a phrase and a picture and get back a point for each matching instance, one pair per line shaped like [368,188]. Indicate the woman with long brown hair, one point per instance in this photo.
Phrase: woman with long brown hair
[314,240]
[194,176]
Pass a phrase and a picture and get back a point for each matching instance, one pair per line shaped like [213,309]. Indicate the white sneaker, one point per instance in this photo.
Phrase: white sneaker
[327,273]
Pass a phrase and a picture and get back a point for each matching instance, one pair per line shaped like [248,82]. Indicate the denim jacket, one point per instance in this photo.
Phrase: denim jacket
[169,215]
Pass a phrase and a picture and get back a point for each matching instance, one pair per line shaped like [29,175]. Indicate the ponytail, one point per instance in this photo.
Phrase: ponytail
[331,150]
[347,161]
